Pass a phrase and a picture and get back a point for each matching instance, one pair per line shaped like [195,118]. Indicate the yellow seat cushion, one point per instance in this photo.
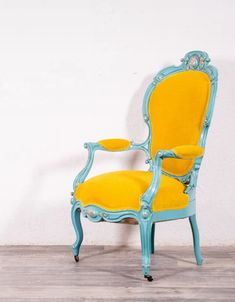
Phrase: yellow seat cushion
[122,190]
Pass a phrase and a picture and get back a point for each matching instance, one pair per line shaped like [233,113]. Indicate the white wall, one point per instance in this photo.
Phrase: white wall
[76,71]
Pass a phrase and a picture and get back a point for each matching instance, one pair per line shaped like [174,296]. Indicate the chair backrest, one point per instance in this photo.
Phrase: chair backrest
[178,107]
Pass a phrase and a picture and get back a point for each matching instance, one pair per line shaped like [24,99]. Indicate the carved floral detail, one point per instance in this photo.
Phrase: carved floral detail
[92,213]
[196,60]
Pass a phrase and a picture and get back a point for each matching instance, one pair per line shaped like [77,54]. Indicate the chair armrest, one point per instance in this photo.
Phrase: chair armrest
[180,152]
[112,145]
[188,151]
[115,144]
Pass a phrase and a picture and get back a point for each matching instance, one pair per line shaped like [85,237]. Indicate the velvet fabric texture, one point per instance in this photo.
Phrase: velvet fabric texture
[115,144]
[177,109]
[121,190]
[188,151]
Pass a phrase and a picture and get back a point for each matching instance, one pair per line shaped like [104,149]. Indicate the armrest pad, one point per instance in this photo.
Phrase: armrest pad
[115,144]
[188,151]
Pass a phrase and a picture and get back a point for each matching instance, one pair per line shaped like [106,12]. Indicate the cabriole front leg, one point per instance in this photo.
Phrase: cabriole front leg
[196,242]
[76,220]
[145,236]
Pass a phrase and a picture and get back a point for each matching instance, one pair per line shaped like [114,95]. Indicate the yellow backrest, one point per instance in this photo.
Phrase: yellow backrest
[177,109]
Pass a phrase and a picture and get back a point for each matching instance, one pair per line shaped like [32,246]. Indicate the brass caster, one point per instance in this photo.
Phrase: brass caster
[199,262]
[149,278]
[76,258]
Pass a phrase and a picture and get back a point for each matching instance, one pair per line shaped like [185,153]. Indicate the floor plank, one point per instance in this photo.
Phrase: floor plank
[48,273]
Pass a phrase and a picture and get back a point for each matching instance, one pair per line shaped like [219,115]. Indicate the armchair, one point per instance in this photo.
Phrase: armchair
[177,109]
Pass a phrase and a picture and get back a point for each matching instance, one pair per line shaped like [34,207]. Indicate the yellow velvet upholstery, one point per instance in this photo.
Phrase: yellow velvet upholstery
[122,190]
[115,144]
[177,109]
[188,151]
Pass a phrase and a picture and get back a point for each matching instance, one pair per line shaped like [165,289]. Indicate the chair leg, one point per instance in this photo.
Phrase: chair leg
[145,236]
[196,243]
[75,214]
[152,238]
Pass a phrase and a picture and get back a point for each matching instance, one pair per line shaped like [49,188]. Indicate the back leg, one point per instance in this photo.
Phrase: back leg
[152,238]
[75,215]
[196,242]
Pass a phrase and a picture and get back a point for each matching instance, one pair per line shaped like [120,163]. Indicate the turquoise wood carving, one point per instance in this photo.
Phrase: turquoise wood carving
[146,217]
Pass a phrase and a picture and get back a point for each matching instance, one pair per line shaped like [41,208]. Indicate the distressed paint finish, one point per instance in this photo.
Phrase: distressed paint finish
[194,60]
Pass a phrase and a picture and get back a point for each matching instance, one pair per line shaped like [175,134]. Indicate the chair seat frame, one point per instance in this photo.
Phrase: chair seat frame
[146,218]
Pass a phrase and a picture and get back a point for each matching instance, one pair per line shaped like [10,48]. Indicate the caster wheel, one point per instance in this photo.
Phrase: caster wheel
[149,278]
[200,261]
[76,258]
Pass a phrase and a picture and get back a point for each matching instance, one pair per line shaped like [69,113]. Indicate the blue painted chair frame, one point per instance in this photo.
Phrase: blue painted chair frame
[194,60]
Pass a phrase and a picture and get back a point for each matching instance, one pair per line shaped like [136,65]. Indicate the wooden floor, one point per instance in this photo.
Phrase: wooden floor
[49,273]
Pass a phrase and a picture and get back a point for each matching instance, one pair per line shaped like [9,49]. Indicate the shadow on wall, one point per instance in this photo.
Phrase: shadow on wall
[137,130]
[136,127]
[49,175]
[32,209]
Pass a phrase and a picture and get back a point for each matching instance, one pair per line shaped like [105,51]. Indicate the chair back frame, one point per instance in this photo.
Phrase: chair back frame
[194,60]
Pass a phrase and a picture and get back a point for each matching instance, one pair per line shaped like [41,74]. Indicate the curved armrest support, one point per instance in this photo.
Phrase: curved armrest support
[112,145]
[180,152]
[91,147]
